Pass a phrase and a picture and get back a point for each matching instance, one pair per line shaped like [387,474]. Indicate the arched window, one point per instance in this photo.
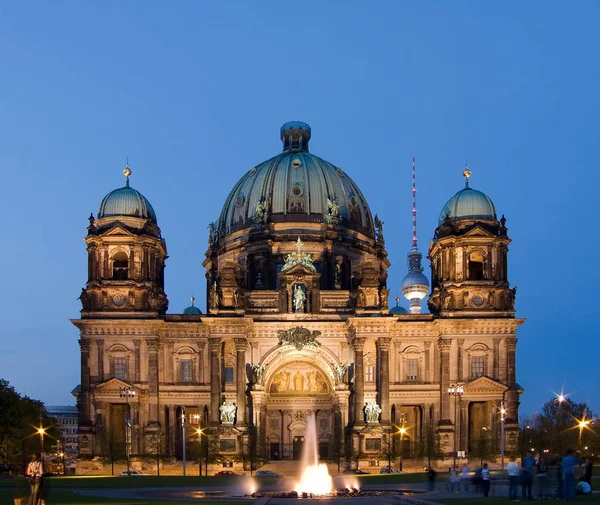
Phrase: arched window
[120,266]
[475,266]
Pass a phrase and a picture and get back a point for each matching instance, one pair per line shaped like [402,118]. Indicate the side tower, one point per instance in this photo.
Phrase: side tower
[126,258]
[474,304]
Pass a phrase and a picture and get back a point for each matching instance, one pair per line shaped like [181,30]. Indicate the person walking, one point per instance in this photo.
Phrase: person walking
[465,476]
[527,466]
[431,475]
[35,470]
[485,480]
[568,471]
[513,479]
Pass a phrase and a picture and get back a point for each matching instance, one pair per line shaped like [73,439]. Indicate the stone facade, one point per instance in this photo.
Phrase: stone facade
[298,324]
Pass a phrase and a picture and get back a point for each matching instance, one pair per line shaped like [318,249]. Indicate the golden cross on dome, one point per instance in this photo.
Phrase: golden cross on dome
[299,245]
[466,174]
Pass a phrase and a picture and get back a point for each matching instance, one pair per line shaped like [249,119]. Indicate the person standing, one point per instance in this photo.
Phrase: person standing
[527,466]
[587,471]
[431,474]
[568,471]
[485,480]
[513,479]
[542,473]
[35,470]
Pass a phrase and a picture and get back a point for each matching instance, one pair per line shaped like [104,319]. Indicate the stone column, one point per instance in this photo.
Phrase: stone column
[169,349]
[427,368]
[358,343]
[397,361]
[383,346]
[201,367]
[84,395]
[241,346]
[215,381]
[459,358]
[172,427]
[135,427]
[496,357]
[444,345]
[100,344]
[153,345]
[512,397]
[137,358]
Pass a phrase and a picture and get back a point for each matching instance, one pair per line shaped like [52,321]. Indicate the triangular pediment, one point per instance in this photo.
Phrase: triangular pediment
[298,269]
[118,230]
[113,386]
[478,231]
[485,384]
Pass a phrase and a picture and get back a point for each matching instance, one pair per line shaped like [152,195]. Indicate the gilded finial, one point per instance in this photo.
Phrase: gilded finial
[127,172]
[192,300]
[466,174]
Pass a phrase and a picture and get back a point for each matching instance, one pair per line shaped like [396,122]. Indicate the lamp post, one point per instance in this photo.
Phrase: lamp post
[183,436]
[456,390]
[127,392]
[502,439]
[41,432]
[402,432]
[200,432]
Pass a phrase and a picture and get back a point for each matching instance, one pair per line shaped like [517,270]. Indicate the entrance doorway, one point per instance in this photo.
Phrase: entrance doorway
[275,453]
[298,446]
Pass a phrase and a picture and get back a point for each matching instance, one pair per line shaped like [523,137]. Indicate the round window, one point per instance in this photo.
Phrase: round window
[297,191]
[478,300]
[239,201]
[340,172]
[296,163]
[252,171]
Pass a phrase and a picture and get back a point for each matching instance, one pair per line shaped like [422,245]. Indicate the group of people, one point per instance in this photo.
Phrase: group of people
[567,482]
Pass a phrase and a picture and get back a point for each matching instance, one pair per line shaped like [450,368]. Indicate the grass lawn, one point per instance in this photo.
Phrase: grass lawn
[589,499]
[72,498]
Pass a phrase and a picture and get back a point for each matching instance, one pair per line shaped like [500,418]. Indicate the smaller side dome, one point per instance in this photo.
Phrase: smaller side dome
[468,203]
[192,310]
[126,201]
[398,310]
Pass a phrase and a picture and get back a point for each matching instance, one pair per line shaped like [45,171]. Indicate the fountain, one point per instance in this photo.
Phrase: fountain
[315,478]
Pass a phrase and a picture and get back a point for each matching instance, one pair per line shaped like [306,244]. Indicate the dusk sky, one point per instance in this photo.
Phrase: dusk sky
[194,94]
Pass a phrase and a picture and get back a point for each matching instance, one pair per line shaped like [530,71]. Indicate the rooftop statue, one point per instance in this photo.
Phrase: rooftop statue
[299,258]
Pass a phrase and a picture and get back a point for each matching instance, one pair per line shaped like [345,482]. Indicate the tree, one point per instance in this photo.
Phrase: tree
[430,448]
[112,448]
[20,419]
[481,447]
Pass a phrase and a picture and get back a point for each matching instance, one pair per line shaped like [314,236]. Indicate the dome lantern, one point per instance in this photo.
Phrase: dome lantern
[295,136]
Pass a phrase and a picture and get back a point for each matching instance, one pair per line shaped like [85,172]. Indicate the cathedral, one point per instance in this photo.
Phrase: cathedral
[298,323]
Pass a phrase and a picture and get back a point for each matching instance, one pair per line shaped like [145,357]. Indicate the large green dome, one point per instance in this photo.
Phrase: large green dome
[468,203]
[295,186]
[126,201]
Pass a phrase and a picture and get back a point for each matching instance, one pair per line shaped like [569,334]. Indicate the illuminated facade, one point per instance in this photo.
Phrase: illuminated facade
[298,323]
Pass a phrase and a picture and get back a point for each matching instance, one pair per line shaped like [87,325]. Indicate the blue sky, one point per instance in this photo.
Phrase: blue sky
[194,94]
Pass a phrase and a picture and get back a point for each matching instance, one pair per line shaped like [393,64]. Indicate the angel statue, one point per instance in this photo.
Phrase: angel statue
[333,211]
[258,371]
[340,370]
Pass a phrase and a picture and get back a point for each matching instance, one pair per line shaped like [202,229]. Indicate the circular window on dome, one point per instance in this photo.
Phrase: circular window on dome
[340,172]
[296,163]
[239,201]
[297,191]
[477,300]
[252,171]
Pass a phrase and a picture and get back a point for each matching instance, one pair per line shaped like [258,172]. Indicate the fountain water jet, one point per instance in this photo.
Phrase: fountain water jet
[315,478]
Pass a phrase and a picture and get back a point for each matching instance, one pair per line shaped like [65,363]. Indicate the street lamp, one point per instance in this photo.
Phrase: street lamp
[456,390]
[183,436]
[127,392]
[402,432]
[41,432]
[582,424]
[502,439]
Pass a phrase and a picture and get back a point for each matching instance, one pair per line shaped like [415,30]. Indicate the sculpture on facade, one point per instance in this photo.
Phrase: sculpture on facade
[213,234]
[379,231]
[262,212]
[85,299]
[340,371]
[333,211]
[299,258]
[228,410]
[299,337]
[258,370]
[372,411]
[299,298]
